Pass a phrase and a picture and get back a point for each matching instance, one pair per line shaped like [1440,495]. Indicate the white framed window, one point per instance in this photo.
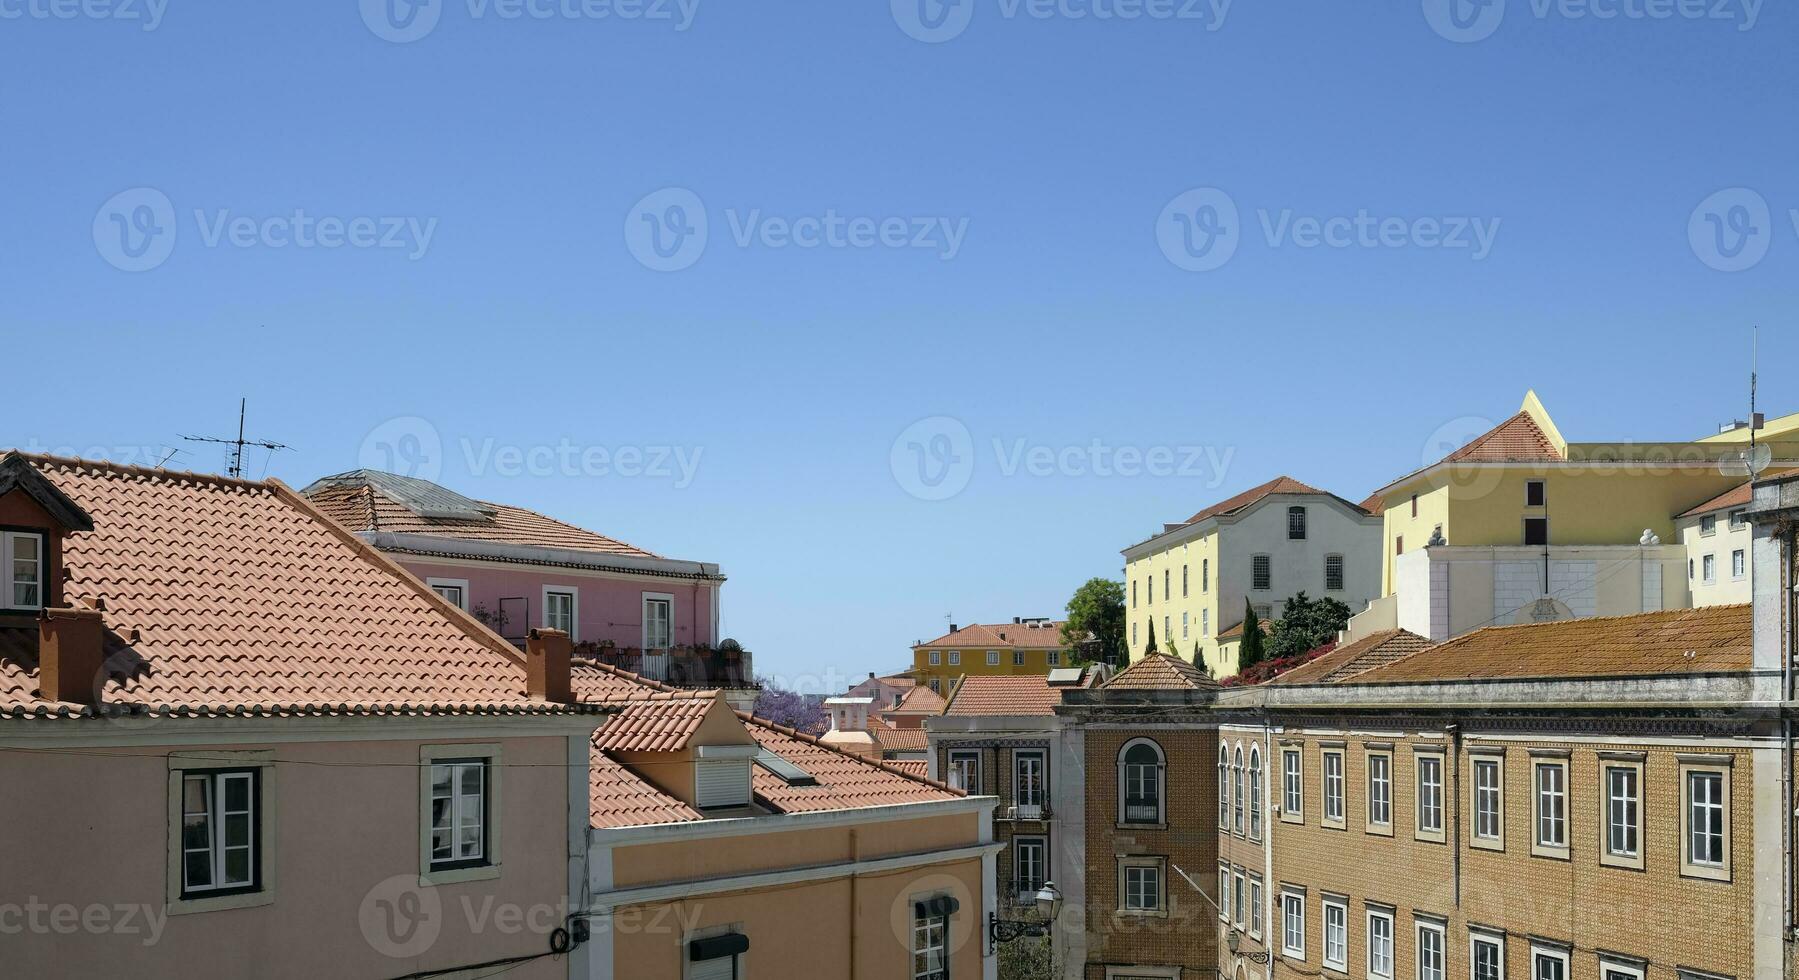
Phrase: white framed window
[993,658]
[23,559]
[1030,867]
[1053,658]
[1614,968]
[1705,818]
[930,940]
[1224,789]
[1292,785]
[1028,789]
[1708,566]
[459,819]
[1333,573]
[1239,899]
[1486,955]
[1380,792]
[936,657]
[1140,783]
[1739,566]
[1205,622]
[1133,635]
[1433,951]
[221,843]
[1293,924]
[1142,885]
[453,590]
[1430,796]
[658,621]
[1237,795]
[1336,933]
[1621,795]
[1488,790]
[1224,892]
[1255,792]
[1296,523]
[1550,807]
[1183,624]
[559,608]
[965,768]
[1708,525]
[1739,518]
[1548,962]
[1332,778]
[1380,943]
[955,658]
[1018,658]
[1261,573]
[1255,906]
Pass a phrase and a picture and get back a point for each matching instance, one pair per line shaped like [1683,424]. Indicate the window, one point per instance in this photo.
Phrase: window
[1333,573]
[1133,593]
[1237,798]
[1140,782]
[1261,573]
[1027,780]
[1292,793]
[955,658]
[1053,658]
[1030,867]
[1551,799]
[1293,924]
[1536,493]
[559,612]
[454,591]
[1431,958]
[1255,792]
[1399,540]
[965,770]
[1168,630]
[1738,566]
[1165,576]
[1622,782]
[1183,624]
[1183,581]
[1224,789]
[1205,575]
[1547,963]
[1380,790]
[936,685]
[1133,634]
[1689,569]
[1296,524]
[993,658]
[936,657]
[1710,566]
[1205,622]
[1536,530]
[1239,899]
[1704,814]
[1615,969]
[1149,590]
[22,556]
[1018,658]
[1708,524]
[1380,943]
[1333,787]
[221,850]
[1414,505]
[458,813]
[1224,892]
[1489,820]
[1142,890]
[1336,933]
[930,940]
[1430,796]
[1486,956]
[1255,906]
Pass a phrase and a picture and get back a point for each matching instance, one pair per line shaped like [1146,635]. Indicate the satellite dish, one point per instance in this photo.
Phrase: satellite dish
[1746,463]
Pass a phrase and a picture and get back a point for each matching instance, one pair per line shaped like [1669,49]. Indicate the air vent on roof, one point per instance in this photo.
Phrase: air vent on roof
[791,774]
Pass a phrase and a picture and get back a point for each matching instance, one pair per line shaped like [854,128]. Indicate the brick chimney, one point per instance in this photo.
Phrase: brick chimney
[547,654]
[70,655]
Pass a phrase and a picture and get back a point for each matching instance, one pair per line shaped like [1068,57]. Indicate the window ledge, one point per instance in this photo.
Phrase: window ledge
[1378,829]
[1299,819]
[1701,873]
[1621,861]
[1553,853]
[1142,913]
[450,876]
[221,903]
[1482,844]
[1148,826]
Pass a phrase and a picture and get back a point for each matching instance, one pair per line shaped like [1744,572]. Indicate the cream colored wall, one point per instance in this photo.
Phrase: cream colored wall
[1726,590]
[1200,604]
[1398,522]
[650,863]
[88,836]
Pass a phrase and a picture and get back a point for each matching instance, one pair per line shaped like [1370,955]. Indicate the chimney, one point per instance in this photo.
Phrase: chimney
[547,654]
[70,655]
[1017,619]
[952,627]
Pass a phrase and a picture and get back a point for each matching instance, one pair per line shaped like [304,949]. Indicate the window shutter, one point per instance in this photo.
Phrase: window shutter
[722,782]
[722,968]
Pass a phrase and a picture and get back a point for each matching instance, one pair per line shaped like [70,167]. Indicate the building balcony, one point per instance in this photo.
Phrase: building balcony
[725,667]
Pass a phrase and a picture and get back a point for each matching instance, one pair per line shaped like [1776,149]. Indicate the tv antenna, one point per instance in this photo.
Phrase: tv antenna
[236,469]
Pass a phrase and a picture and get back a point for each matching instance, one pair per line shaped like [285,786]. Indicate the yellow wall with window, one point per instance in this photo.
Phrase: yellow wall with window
[1199,557]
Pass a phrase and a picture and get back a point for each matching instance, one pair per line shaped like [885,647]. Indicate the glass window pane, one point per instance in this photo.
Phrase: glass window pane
[237,793]
[237,866]
[440,780]
[198,869]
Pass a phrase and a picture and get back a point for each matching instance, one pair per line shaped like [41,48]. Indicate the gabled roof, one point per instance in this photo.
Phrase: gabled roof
[17,473]
[663,725]
[1235,630]
[892,739]
[1044,635]
[1004,694]
[229,597]
[371,500]
[1735,497]
[1710,640]
[1242,501]
[918,701]
[1367,653]
[1160,672]
[1517,439]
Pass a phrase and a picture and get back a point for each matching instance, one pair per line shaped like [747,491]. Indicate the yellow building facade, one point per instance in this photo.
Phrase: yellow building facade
[1023,646]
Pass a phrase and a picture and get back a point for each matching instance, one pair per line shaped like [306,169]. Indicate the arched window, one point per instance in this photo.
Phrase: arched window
[1224,789]
[1255,792]
[1140,782]
[1237,792]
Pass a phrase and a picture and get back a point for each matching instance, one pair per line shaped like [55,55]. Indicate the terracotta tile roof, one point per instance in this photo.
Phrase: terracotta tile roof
[653,726]
[844,781]
[233,597]
[1716,639]
[1736,497]
[358,501]
[918,701]
[917,767]
[1280,484]
[1002,636]
[1517,439]
[619,798]
[1367,653]
[1235,631]
[1160,672]
[1375,505]
[1003,694]
[900,739]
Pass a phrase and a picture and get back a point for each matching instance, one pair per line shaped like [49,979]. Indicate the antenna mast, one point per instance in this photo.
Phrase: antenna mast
[236,470]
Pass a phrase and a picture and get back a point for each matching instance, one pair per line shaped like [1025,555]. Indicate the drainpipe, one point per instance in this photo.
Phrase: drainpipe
[1268,827]
[1455,761]
[1791,612]
[855,856]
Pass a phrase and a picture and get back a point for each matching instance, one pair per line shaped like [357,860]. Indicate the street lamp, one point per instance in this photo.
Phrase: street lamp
[1049,905]
[1235,940]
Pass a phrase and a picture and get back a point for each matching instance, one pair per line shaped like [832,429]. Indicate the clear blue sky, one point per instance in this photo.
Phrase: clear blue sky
[526,146]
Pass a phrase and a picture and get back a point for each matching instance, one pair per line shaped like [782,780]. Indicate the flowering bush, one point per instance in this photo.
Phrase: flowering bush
[1268,670]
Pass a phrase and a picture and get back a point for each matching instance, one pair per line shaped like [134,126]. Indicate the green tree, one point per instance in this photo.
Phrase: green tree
[1095,626]
[1306,624]
[1152,637]
[1027,959]
[1199,659]
[1251,651]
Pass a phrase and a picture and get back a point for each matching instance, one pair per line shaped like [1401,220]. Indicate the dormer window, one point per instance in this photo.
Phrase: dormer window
[721,776]
[22,557]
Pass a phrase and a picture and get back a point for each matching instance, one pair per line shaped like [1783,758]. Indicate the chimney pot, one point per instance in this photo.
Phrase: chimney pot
[71,655]
[547,655]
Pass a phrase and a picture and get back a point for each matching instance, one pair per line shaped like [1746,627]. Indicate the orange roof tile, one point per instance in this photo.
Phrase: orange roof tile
[1160,672]
[1367,653]
[1715,639]
[1003,694]
[653,726]
[1003,636]
[844,780]
[918,701]
[1517,439]
[915,767]
[900,739]
[1280,484]
[1735,497]
[1235,630]
[231,596]
[617,797]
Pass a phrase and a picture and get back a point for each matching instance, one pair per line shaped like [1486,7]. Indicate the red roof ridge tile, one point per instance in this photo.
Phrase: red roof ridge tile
[135,470]
[795,733]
